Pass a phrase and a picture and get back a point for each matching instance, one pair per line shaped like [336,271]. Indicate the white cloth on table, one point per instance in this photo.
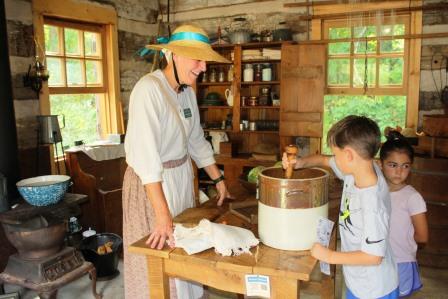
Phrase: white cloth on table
[226,239]
[102,152]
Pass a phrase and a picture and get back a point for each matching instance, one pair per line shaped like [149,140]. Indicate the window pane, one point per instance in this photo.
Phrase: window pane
[92,44]
[364,31]
[360,47]
[72,41]
[74,72]
[392,46]
[359,72]
[81,117]
[385,110]
[339,72]
[93,72]
[343,32]
[51,39]
[54,66]
[339,48]
[397,29]
[391,71]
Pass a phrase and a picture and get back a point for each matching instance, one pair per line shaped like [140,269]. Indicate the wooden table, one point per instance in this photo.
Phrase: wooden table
[286,269]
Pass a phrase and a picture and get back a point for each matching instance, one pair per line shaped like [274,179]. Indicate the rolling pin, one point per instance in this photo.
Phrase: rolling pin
[291,153]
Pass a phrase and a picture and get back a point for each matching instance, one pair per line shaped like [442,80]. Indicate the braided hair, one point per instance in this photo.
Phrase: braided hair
[396,143]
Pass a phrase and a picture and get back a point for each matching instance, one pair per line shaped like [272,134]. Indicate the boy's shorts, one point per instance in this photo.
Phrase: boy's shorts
[391,295]
[409,277]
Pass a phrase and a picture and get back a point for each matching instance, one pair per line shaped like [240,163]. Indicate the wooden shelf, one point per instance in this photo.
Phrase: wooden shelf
[215,107]
[259,132]
[214,83]
[260,107]
[253,45]
[260,83]
[261,61]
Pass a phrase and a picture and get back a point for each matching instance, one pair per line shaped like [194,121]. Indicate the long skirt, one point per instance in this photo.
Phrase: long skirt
[139,219]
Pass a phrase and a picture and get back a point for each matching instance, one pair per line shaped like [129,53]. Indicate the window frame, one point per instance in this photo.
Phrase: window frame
[62,24]
[369,21]
[111,117]
[335,11]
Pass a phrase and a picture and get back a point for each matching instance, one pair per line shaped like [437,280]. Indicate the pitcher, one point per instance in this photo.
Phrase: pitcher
[229,97]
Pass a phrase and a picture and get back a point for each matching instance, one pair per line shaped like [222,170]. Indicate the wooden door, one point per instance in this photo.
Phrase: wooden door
[303,73]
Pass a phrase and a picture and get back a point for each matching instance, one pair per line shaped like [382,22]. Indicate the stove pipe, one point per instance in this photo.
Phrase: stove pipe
[9,165]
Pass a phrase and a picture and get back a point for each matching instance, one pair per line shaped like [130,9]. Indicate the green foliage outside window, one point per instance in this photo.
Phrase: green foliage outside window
[81,117]
[385,110]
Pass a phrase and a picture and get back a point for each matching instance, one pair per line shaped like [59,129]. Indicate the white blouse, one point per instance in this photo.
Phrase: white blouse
[154,134]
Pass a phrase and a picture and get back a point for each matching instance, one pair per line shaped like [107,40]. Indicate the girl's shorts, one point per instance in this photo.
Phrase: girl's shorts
[391,295]
[409,278]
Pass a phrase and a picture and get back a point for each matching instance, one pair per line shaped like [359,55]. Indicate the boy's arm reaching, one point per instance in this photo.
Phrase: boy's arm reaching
[344,258]
[309,161]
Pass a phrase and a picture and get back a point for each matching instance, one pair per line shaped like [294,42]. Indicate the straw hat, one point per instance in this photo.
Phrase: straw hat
[191,42]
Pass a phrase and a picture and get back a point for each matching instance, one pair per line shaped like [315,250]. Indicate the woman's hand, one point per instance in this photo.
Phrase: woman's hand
[223,193]
[162,232]
[321,253]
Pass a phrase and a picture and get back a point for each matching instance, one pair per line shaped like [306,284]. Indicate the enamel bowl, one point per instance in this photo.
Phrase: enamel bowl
[43,190]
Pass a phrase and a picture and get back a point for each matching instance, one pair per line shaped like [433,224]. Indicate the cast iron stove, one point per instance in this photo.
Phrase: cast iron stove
[42,263]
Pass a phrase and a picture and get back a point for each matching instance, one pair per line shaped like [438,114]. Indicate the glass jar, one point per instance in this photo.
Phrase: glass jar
[267,72]
[248,74]
[230,74]
[204,77]
[221,76]
[213,75]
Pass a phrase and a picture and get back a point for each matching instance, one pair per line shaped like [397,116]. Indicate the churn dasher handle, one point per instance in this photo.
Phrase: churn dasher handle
[291,153]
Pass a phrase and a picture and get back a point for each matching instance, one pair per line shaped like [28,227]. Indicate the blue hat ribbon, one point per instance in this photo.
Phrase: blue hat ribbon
[175,37]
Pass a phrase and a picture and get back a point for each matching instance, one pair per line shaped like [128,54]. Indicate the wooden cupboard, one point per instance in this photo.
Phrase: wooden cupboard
[298,80]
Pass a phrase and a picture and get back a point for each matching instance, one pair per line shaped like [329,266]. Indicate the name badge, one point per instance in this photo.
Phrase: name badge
[187,113]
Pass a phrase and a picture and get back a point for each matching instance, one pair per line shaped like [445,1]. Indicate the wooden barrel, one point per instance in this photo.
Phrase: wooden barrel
[430,178]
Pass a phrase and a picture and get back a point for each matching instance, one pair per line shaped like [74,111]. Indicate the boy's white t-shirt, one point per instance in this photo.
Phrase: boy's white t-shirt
[406,202]
[364,226]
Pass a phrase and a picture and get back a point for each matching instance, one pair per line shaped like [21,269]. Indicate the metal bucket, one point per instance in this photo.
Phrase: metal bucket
[289,209]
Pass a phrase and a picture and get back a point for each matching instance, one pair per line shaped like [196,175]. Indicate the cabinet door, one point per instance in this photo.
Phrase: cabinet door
[303,75]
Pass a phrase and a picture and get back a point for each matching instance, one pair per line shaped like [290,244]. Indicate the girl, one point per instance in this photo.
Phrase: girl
[408,225]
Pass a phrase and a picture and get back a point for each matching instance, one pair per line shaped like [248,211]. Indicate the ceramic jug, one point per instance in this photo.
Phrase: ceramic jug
[229,97]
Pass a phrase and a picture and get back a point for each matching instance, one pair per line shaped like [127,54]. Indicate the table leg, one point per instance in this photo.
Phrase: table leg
[282,287]
[92,274]
[159,286]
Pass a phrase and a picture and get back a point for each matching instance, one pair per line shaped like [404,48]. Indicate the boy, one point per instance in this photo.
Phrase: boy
[366,256]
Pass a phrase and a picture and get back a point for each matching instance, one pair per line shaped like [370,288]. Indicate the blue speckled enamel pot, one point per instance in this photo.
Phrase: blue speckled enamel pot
[43,190]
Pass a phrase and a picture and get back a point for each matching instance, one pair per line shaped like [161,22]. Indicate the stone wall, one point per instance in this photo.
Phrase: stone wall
[136,24]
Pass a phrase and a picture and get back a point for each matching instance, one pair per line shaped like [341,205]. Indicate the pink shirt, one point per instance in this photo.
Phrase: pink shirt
[406,202]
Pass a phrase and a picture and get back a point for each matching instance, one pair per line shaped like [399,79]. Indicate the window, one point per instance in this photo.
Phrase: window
[367,70]
[77,86]
[83,75]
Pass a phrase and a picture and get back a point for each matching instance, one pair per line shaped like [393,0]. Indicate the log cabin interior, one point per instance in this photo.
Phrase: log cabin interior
[297,67]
